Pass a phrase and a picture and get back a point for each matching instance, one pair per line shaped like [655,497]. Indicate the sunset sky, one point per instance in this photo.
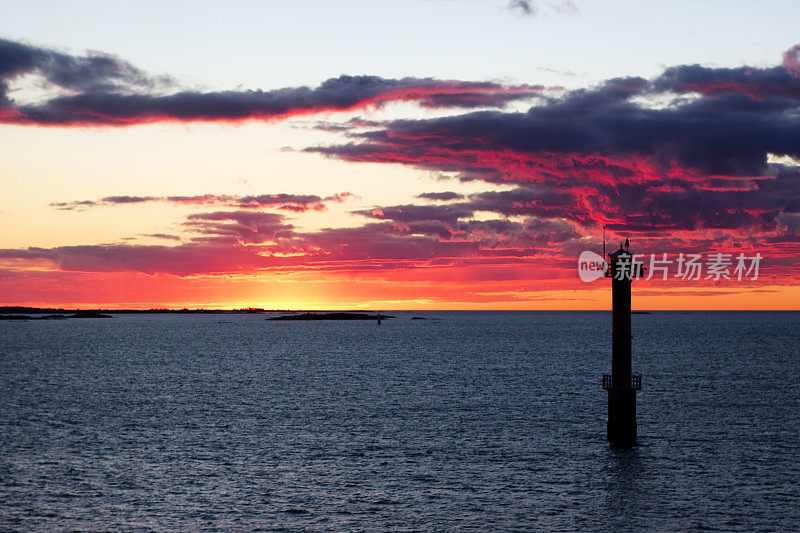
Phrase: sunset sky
[432,154]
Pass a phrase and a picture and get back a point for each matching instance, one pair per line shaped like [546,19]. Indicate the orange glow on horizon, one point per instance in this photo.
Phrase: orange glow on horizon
[396,290]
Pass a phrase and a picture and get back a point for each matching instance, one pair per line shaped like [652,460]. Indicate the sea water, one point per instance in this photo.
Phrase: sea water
[463,421]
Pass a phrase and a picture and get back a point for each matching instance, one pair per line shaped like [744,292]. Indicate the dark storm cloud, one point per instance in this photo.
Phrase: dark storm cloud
[337,94]
[627,153]
[753,82]
[105,90]
[727,135]
[95,71]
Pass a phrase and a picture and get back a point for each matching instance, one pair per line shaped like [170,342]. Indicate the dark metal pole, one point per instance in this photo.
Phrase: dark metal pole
[604,242]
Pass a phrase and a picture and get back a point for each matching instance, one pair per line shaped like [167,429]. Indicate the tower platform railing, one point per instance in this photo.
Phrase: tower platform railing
[635,383]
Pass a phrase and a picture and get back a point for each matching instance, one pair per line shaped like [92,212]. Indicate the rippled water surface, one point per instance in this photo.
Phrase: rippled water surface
[462,421]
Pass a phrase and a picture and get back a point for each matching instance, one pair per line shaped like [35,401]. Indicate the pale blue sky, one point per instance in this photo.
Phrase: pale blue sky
[277,44]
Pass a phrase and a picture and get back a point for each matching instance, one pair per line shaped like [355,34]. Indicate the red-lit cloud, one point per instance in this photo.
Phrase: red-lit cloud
[297,203]
[599,156]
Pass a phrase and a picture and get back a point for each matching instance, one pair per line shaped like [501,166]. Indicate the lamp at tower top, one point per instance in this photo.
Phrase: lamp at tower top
[621,264]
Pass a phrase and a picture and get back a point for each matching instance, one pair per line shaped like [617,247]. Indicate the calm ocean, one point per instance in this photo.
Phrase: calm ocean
[465,421]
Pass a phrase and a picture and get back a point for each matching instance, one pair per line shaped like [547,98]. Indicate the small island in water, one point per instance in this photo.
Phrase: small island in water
[331,316]
[79,314]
